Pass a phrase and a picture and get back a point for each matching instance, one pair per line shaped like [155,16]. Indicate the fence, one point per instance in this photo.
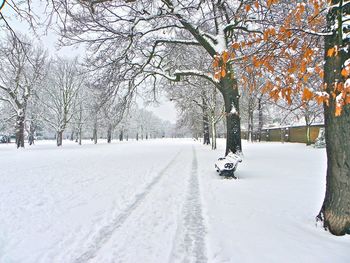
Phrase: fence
[286,134]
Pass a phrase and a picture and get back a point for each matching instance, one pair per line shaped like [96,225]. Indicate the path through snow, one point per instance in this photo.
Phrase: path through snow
[105,232]
[189,243]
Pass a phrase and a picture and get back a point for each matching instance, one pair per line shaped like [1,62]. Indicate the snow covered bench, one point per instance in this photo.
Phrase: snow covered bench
[227,166]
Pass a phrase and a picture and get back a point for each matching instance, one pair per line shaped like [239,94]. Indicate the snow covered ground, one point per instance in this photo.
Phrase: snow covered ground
[162,201]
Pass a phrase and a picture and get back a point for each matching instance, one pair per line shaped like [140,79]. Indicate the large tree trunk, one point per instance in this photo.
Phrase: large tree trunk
[59,138]
[20,131]
[229,90]
[335,211]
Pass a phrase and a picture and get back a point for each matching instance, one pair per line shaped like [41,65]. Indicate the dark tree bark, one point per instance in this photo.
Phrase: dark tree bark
[59,138]
[94,134]
[260,119]
[31,133]
[206,134]
[250,120]
[308,129]
[20,131]
[213,136]
[80,135]
[335,211]
[121,135]
[229,89]
[308,134]
[109,133]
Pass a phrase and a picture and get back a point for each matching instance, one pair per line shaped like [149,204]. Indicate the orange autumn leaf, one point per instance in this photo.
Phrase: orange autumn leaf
[223,72]
[303,67]
[319,99]
[338,110]
[305,78]
[266,35]
[217,75]
[225,56]
[270,2]
[332,52]
[321,73]
[347,99]
[307,94]
[247,8]
[345,72]
[235,45]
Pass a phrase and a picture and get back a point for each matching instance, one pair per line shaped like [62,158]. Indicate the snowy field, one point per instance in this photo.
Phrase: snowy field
[162,201]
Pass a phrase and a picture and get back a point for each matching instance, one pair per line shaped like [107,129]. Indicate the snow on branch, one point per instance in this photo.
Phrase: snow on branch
[196,73]
[177,41]
[176,76]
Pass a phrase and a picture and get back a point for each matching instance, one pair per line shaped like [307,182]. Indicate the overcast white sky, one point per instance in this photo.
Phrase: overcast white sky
[165,110]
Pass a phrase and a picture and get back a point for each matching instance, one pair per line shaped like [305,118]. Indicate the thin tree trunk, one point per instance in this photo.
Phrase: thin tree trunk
[59,138]
[20,131]
[80,134]
[206,134]
[94,134]
[308,134]
[229,90]
[250,121]
[335,211]
[121,135]
[31,133]
[213,135]
[260,119]
[109,133]
[80,125]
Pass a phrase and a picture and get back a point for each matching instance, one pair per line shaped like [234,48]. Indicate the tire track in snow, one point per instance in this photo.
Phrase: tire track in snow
[189,243]
[106,232]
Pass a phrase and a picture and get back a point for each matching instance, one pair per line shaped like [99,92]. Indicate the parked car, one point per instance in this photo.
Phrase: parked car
[4,139]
